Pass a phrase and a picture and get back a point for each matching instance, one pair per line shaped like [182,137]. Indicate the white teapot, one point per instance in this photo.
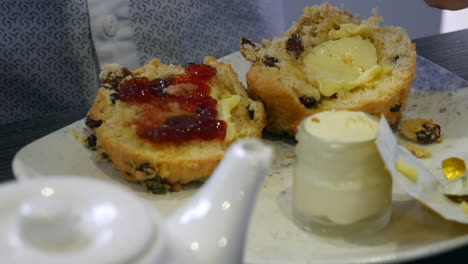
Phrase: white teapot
[82,220]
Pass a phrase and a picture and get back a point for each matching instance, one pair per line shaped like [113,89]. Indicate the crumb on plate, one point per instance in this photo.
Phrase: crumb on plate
[418,151]
[423,131]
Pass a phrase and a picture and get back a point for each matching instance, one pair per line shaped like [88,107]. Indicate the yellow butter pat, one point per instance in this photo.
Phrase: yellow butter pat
[408,171]
[348,30]
[464,207]
[227,105]
[342,64]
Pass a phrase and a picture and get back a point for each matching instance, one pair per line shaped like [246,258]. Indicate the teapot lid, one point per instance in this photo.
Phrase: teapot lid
[73,220]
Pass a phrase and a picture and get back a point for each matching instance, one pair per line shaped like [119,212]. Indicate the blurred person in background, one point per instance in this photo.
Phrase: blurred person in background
[51,51]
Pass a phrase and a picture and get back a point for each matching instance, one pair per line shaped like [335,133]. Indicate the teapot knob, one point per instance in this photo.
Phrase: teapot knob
[47,223]
[74,220]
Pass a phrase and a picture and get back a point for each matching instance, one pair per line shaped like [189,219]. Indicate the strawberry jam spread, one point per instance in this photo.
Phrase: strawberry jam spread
[175,109]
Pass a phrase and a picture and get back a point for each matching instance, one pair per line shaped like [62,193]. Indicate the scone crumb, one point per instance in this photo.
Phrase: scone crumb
[418,151]
[315,120]
[464,206]
[78,136]
[423,131]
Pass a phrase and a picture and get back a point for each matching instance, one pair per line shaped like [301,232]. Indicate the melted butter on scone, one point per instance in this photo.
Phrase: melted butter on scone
[348,30]
[345,62]
[227,105]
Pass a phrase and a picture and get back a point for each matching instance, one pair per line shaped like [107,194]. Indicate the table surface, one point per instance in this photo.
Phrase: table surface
[449,50]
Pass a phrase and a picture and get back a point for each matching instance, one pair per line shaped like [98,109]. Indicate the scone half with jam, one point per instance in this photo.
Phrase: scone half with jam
[165,126]
[331,59]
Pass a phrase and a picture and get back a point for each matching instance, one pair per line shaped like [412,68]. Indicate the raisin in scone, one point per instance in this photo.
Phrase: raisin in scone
[165,126]
[331,59]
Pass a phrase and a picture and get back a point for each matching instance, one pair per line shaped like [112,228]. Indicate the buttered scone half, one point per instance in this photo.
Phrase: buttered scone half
[165,125]
[331,59]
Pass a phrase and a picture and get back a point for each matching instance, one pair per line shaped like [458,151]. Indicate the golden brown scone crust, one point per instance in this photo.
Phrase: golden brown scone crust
[170,165]
[181,171]
[275,84]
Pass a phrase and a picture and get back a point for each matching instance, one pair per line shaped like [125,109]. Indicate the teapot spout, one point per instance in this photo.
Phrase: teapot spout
[212,226]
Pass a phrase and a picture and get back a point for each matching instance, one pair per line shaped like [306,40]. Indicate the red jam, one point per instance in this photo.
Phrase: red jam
[175,109]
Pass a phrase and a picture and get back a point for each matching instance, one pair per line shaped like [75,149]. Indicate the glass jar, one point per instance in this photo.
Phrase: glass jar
[340,184]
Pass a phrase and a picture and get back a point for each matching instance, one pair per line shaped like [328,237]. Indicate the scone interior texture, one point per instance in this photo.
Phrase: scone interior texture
[165,166]
[331,59]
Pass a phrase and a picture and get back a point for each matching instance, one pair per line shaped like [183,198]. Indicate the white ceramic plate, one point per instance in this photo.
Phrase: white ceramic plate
[413,232]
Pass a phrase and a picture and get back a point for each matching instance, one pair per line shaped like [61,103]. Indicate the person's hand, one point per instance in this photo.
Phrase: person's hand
[448,4]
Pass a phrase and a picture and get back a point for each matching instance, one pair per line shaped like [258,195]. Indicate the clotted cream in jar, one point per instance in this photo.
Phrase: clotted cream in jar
[340,184]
